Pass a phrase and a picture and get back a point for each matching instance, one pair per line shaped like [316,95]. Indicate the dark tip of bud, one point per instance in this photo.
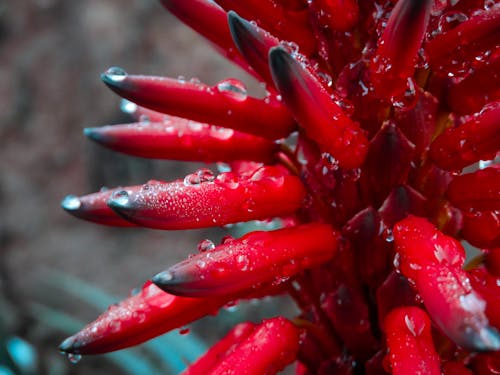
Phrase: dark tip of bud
[163,279]
[69,345]
[94,134]
[71,203]
[281,64]
[240,28]
[486,339]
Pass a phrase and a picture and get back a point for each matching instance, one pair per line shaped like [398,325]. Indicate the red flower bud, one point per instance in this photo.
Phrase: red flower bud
[271,346]
[434,262]
[176,138]
[258,258]
[322,119]
[396,54]
[477,139]
[478,191]
[220,350]
[409,340]
[227,104]
[203,200]
[145,315]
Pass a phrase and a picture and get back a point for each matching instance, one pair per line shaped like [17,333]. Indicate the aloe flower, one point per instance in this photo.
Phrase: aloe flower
[374,148]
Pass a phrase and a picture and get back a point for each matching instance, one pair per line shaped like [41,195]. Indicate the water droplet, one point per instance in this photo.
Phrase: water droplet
[127,106]
[181,79]
[200,176]
[249,205]
[120,198]
[472,302]
[396,261]
[74,358]
[450,20]
[144,120]
[485,164]
[71,203]
[116,74]
[387,235]
[229,180]
[408,99]
[195,80]
[195,126]
[205,245]
[242,261]
[412,327]
[221,133]
[233,88]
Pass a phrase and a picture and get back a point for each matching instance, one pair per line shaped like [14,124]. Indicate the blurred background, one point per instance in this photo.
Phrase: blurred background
[58,273]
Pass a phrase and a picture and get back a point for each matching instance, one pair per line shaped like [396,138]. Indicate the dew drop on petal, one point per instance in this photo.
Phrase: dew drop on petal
[144,120]
[200,176]
[450,20]
[71,203]
[116,74]
[120,197]
[126,106]
[242,261]
[205,245]
[412,327]
[233,88]
[74,358]
[388,235]
[220,132]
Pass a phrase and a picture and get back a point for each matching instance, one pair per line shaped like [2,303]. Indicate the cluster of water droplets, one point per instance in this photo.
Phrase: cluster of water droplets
[202,175]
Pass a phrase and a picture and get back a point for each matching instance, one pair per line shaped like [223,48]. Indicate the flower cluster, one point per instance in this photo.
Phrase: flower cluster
[375,150]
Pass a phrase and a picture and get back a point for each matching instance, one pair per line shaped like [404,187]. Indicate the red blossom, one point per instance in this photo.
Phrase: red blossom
[372,112]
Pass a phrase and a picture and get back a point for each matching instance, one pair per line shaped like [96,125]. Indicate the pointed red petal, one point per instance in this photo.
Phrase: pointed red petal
[371,250]
[479,191]
[349,315]
[225,104]
[477,139]
[394,292]
[220,350]
[402,201]
[319,116]
[203,200]
[93,207]
[253,43]
[482,228]
[255,259]
[394,151]
[478,88]
[178,139]
[409,340]
[395,57]
[434,262]
[149,313]
[453,49]
[273,345]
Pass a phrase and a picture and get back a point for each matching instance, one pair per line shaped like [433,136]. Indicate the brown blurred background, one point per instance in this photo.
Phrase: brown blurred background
[52,52]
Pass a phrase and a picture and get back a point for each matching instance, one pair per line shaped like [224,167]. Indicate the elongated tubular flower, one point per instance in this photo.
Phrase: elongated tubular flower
[376,150]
